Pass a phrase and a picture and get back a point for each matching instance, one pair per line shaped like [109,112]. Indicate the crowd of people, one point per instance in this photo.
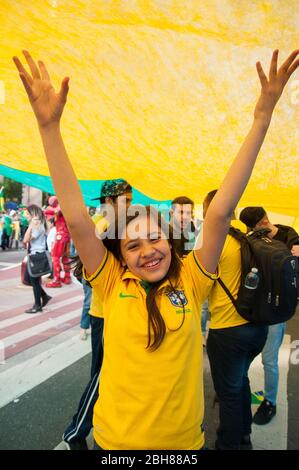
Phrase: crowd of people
[36,230]
[13,225]
[147,290]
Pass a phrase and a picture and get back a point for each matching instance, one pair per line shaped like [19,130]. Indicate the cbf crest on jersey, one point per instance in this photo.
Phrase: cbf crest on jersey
[177,298]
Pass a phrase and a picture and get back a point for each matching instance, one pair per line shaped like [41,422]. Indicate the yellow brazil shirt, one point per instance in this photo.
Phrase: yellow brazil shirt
[150,400]
[223,312]
[96,306]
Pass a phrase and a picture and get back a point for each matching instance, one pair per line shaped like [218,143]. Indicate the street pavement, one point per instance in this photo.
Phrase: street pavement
[44,368]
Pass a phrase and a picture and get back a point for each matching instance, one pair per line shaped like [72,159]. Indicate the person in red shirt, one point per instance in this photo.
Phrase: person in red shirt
[60,249]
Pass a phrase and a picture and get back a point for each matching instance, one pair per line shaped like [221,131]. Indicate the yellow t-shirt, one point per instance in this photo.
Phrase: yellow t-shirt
[96,304]
[100,222]
[150,400]
[223,312]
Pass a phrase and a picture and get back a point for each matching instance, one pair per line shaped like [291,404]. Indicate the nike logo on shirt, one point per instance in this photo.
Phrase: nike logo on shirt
[123,296]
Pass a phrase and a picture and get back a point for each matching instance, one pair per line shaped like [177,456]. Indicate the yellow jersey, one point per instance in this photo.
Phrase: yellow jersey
[223,312]
[150,400]
[96,304]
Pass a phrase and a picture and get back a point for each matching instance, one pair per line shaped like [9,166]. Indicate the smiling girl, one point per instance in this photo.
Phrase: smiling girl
[151,384]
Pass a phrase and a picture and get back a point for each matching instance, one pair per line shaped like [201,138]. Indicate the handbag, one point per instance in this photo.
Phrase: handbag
[39,264]
[25,279]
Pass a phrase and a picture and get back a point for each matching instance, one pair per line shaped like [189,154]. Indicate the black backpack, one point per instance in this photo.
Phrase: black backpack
[276,296]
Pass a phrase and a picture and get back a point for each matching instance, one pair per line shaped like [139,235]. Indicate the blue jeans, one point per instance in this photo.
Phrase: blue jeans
[81,423]
[270,360]
[73,250]
[204,316]
[85,318]
[231,351]
[96,446]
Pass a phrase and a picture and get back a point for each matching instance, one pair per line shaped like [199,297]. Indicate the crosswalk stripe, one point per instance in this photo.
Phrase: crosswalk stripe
[8,265]
[13,312]
[38,319]
[10,272]
[51,323]
[27,343]
[21,378]
[25,317]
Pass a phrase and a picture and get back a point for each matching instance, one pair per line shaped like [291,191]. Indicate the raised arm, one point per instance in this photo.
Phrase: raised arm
[27,236]
[48,107]
[218,216]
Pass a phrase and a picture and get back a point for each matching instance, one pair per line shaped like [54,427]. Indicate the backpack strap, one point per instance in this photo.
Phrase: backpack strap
[240,236]
[244,241]
[228,292]
[236,233]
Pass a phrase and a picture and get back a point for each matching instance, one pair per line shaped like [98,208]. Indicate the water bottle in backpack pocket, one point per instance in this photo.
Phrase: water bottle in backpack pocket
[252,279]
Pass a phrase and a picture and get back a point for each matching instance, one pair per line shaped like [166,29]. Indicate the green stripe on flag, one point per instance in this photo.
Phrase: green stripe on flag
[257,397]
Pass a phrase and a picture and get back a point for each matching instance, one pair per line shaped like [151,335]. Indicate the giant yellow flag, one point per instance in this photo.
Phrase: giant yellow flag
[161,93]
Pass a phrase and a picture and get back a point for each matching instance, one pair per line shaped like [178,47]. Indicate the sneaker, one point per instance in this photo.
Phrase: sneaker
[83,334]
[45,300]
[265,412]
[34,309]
[77,445]
[53,283]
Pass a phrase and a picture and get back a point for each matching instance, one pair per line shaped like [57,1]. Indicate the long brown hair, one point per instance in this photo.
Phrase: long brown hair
[156,323]
[36,211]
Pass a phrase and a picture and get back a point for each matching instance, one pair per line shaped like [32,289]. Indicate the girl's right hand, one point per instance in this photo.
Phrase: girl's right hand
[46,104]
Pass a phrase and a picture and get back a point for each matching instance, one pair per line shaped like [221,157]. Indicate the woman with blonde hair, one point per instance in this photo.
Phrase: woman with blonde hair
[35,239]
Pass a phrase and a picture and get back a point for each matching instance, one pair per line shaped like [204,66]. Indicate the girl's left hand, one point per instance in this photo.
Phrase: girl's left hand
[272,87]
